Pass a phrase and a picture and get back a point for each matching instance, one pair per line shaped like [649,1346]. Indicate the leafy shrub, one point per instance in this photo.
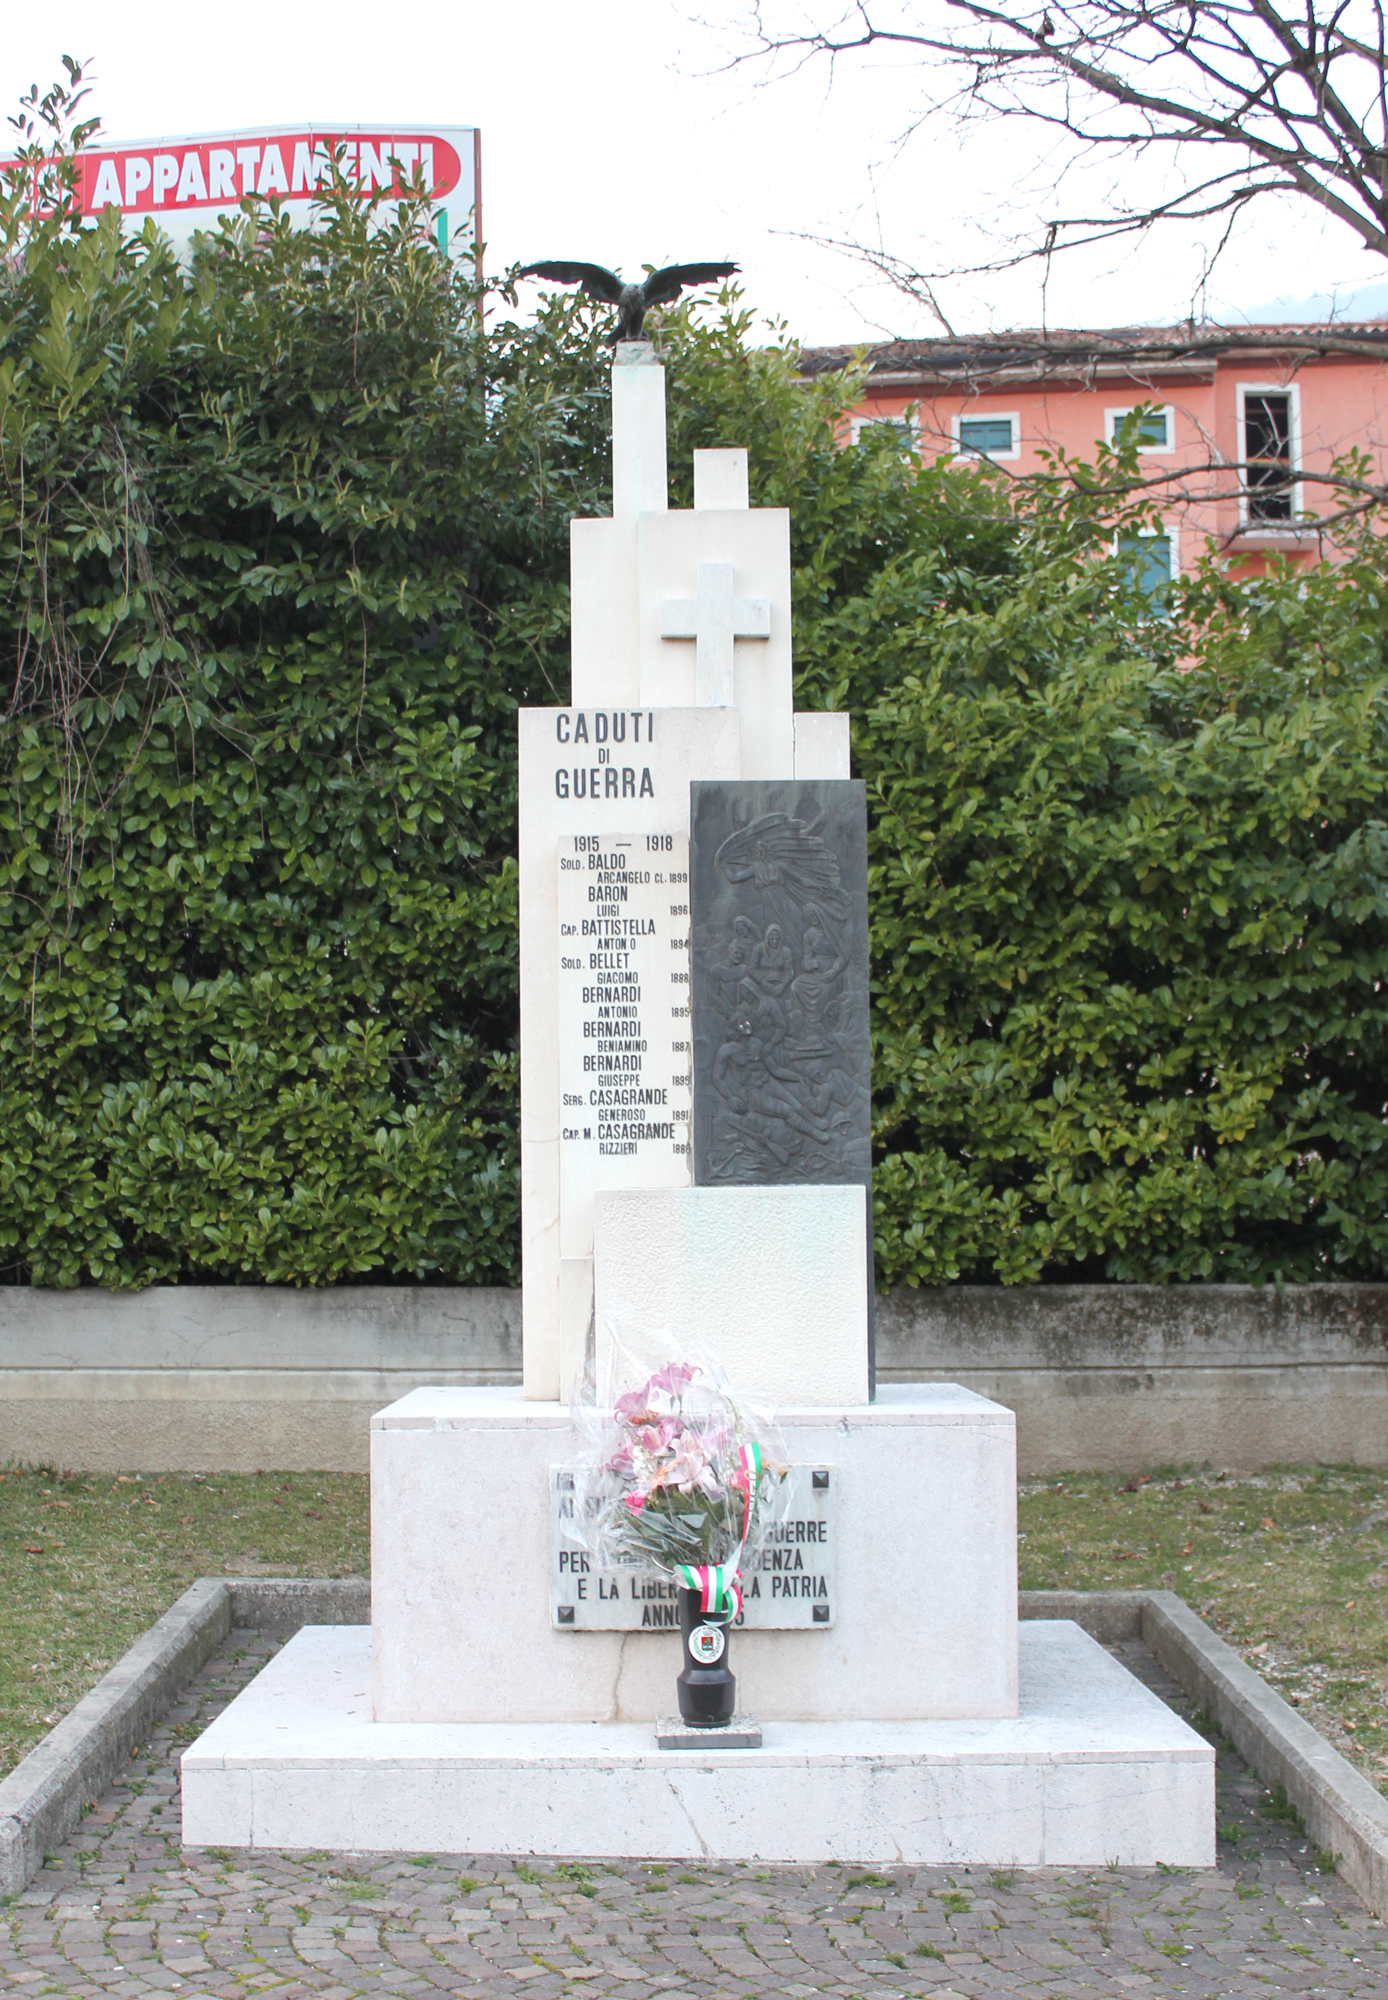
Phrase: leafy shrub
[1130,883]
[283,547]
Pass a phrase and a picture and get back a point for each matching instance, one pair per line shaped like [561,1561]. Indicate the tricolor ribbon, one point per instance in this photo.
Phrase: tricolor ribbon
[719,1586]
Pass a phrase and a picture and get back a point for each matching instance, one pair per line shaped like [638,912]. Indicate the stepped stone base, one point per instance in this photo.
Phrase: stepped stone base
[1093,1769]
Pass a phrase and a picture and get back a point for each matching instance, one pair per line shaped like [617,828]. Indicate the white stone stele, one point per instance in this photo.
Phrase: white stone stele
[622,570]
[688,743]
[926,1610]
[1094,1770]
[675,746]
[775,1278]
[633,577]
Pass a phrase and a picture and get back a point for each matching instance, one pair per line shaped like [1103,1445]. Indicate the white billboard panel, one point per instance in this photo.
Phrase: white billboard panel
[188,183]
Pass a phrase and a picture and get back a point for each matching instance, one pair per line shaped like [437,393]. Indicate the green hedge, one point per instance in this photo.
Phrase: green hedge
[1129,933]
[284,545]
[283,548]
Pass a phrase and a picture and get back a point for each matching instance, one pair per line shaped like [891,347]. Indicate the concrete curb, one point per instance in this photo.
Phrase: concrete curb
[284,1603]
[1343,1812]
[43,1798]
[1106,1615]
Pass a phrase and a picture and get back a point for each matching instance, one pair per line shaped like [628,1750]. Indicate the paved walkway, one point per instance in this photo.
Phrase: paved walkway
[122,1910]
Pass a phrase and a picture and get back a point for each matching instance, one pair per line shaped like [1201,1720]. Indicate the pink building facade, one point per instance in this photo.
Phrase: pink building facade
[1239,421]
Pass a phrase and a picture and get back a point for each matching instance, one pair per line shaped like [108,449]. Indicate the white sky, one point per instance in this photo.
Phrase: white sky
[607,135]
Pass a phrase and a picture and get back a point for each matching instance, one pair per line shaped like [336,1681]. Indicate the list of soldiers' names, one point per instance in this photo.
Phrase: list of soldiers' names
[624,1033]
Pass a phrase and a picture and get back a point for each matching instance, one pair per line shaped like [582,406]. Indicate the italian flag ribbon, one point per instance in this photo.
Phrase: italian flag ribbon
[719,1586]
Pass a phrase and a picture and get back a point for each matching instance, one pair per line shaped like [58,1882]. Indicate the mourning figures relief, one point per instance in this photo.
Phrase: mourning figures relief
[785,995]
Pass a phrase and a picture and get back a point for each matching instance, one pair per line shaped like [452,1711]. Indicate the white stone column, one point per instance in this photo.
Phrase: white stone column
[640,483]
[604,592]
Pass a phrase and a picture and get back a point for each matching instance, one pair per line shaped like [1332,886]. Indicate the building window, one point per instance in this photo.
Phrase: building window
[1268,416]
[903,426]
[1156,429]
[986,437]
[1149,562]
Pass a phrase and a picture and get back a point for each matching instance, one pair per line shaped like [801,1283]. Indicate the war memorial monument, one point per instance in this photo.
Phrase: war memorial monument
[695,1161]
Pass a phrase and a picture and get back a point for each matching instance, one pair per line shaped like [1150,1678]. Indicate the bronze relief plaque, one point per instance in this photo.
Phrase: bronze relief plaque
[779,962]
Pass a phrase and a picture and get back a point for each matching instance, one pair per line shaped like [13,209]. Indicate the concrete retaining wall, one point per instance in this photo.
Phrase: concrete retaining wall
[1110,1377]
[238,1378]
[1103,1377]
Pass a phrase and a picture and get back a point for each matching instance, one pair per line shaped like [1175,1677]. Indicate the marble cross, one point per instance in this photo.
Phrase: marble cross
[713,619]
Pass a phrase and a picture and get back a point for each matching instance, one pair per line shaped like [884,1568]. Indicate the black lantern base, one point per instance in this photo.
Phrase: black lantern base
[707,1690]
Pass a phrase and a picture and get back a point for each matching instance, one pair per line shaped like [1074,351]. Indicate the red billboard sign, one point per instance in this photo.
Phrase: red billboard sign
[185,183]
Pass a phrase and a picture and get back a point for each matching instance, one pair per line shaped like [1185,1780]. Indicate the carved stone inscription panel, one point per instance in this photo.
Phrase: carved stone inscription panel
[779,957]
[623,1019]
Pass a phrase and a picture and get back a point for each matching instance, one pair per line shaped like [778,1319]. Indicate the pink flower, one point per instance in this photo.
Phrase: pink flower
[673,1379]
[638,1406]
[690,1468]
[636,1501]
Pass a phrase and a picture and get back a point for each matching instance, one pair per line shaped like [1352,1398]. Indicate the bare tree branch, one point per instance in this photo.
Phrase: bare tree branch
[1245,98]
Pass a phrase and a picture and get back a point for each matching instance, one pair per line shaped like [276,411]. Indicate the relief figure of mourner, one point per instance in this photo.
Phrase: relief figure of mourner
[821,965]
[771,972]
[729,977]
[763,1096]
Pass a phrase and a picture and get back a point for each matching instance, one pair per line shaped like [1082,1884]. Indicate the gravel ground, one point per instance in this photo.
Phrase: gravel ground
[121,1909]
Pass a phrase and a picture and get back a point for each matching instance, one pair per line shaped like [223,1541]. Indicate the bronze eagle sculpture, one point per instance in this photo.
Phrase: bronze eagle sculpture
[633,302]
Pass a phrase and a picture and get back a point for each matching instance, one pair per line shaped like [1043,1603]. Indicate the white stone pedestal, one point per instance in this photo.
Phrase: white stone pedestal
[781,1272]
[922,1726]
[1093,1769]
[926,1595]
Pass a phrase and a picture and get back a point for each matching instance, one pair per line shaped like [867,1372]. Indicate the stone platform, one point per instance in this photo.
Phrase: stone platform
[1093,1770]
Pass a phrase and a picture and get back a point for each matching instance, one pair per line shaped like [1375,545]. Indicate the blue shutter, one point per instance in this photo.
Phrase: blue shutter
[1147,560]
[985,434]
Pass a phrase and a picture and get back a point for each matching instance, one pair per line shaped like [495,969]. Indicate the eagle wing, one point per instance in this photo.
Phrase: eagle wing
[596,281]
[662,288]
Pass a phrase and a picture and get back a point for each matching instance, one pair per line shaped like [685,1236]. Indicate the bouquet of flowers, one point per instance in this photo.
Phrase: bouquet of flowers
[681,1478]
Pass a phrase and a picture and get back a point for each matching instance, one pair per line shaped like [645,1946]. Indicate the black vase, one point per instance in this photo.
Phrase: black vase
[707,1690]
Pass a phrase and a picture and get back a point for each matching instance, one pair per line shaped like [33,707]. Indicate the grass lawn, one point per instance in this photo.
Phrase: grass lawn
[87,1563]
[1290,1566]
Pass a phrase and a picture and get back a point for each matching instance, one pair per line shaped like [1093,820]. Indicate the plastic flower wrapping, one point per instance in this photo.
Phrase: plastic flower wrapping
[679,1475]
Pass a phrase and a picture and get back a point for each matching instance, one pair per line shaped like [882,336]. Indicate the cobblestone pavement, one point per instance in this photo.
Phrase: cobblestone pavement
[120,1909]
